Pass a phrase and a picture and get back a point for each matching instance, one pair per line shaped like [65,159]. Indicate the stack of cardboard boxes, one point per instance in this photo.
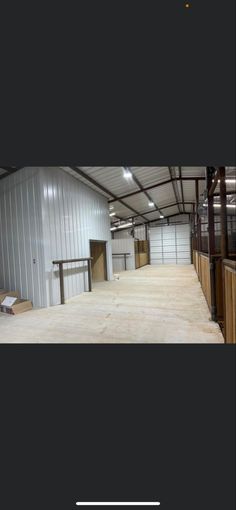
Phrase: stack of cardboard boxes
[12,304]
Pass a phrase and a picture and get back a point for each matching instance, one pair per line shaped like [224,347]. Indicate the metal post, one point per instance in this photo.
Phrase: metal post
[199,244]
[89,275]
[61,283]
[125,261]
[211,243]
[210,212]
[223,214]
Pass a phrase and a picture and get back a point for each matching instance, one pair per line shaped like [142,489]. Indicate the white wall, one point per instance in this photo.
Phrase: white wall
[140,233]
[46,214]
[170,245]
[122,246]
[123,234]
[21,241]
[73,214]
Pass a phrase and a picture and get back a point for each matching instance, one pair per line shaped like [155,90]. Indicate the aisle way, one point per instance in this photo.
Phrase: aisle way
[151,304]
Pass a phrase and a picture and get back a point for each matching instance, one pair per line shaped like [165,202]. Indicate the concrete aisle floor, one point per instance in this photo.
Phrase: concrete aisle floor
[151,304]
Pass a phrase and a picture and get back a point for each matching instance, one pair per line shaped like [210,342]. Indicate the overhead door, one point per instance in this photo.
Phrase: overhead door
[170,245]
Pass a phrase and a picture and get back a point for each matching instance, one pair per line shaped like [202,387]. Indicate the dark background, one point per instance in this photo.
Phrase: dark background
[121,82]
[117,423]
[117,83]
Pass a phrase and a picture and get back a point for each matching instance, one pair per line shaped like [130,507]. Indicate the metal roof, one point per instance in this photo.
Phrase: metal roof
[171,189]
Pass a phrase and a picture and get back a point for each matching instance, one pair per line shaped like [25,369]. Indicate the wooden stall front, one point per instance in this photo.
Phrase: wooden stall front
[229,267]
[141,253]
[223,288]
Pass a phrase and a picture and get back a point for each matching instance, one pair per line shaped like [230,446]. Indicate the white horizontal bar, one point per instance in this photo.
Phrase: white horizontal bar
[118,503]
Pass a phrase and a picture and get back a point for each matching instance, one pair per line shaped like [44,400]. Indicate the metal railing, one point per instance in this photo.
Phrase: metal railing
[61,273]
[124,255]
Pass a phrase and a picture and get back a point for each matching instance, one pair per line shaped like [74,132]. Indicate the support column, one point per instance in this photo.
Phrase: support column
[61,276]
[199,242]
[211,243]
[223,214]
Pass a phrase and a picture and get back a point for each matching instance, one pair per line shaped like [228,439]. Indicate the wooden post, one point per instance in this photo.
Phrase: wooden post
[61,283]
[223,214]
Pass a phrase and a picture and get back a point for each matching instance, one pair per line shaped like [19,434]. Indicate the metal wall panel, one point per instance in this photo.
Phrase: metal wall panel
[122,246]
[21,242]
[139,233]
[170,244]
[73,214]
[46,214]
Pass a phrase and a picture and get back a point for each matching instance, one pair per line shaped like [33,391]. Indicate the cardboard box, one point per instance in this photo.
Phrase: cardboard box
[21,305]
[4,293]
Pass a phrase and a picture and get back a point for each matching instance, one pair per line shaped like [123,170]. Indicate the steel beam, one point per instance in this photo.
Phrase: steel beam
[223,214]
[199,244]
[181,184]
[214,183]
[173,186]
[211,243]
[105,190]
[157,185]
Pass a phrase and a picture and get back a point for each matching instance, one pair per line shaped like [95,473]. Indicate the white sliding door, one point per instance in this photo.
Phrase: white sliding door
[170,245]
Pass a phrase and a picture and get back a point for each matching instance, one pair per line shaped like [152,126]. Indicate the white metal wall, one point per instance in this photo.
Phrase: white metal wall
[73,214]
[45,214]
[21,242]
[122,246]
[139,233]
[170,244]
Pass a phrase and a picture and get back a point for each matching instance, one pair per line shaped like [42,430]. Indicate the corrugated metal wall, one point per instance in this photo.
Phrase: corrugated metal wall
[73,214]
[21,242]
[139,233]
[46,214]
[122,246]
[170,245]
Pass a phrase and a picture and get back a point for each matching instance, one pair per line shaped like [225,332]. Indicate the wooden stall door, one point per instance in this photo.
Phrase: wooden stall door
[98,252]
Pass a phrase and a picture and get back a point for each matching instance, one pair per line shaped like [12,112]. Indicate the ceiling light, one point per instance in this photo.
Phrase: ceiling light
[111,207]
[161,216]
[112,214]
[151,204]
[227,205]
[126,225]
[228,181]
[127,173]
[123,225]
[219,205]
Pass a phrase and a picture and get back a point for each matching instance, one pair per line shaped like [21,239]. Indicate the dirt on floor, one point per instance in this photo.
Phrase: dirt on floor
[154,304]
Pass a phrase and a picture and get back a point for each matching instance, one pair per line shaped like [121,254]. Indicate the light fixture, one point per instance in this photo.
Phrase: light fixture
[112,214]
[111,207]
[219,205]
[127,173]
[228,181]
[151,204]
[161,216]
[124,225]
